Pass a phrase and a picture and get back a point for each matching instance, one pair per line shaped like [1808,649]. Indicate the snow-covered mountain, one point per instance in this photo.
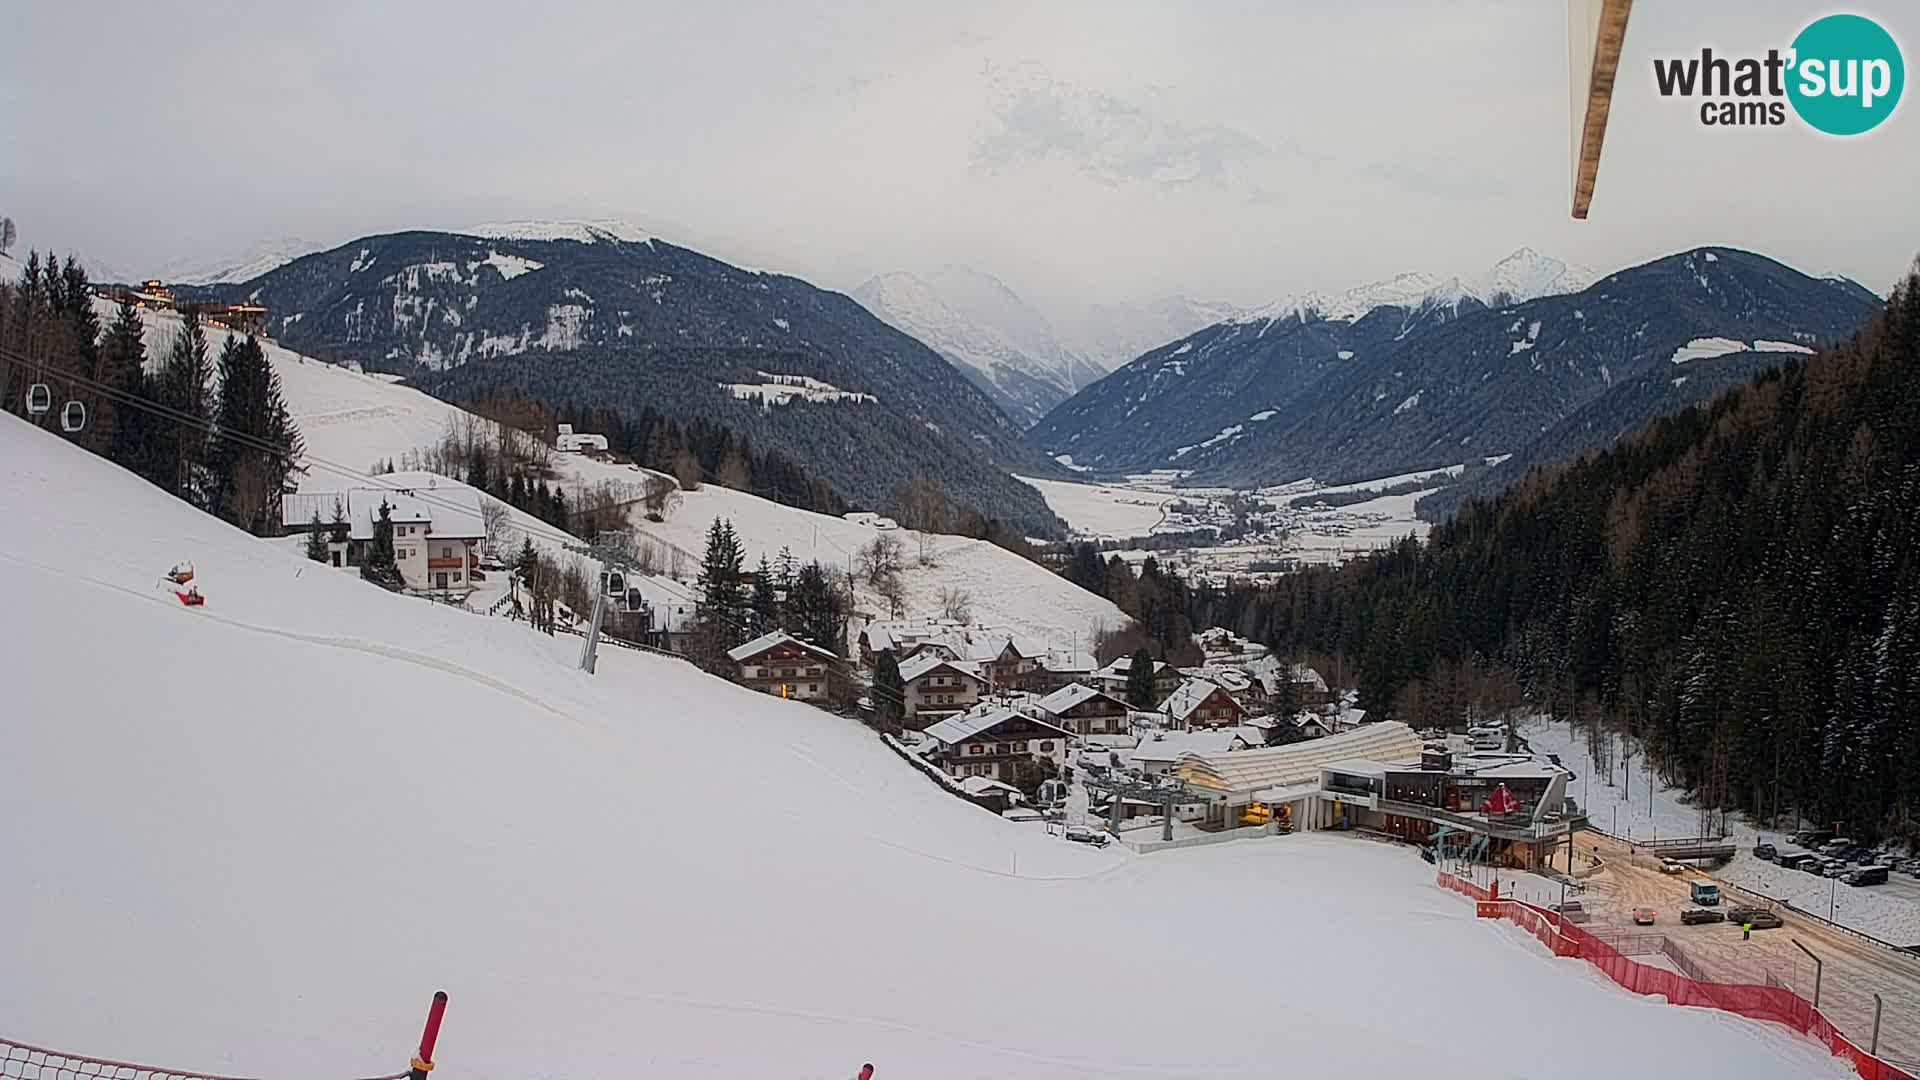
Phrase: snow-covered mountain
[602,314]
[1413,373]
[1110,335]
[986,330]
[247,265]
[1524,275]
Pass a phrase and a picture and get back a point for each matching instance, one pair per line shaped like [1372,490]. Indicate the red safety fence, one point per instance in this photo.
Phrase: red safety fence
[19,1061]
[1772,1003]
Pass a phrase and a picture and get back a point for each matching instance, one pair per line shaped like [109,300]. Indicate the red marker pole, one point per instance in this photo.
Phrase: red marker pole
[423,1064]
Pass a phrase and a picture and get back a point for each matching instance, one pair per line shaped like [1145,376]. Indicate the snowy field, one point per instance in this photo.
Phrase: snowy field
[290,815]
[1147,504]
[1104,510]
[1890,912]
[351,420]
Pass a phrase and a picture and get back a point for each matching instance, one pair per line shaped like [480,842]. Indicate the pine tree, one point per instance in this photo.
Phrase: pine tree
[889,692]
[339,529]
[378,565]
[180,461]
[246,481]
[785,567]
[317,540]
[1140,680]
[123,357]
[765,605]
[814,609]
[723,612]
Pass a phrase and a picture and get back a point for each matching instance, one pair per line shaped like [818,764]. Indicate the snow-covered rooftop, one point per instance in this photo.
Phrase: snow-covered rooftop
[965,726]
[921,663]
[1070,695]
[742,653]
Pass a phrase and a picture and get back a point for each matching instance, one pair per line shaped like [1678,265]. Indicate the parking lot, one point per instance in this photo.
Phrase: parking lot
[1854,968]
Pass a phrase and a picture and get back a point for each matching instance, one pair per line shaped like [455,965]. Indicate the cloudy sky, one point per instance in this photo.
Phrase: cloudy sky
[1082,152]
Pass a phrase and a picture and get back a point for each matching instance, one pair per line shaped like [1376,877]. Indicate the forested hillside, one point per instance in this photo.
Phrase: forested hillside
[1738,585]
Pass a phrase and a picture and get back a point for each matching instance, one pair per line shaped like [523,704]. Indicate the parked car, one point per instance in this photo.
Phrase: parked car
[1833,868]
[1836,845]
[1756,917]
[1080,834]
[1702,915]
[1668,866]
[1816,865]
[1765,851]
[1867,875]
[1887,859]
[1810,837]
[1572,911]
[1794,860]
[1644,916]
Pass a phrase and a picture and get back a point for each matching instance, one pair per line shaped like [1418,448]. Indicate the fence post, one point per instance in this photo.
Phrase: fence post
[423,1064]
[1877,1006]
[1817,965]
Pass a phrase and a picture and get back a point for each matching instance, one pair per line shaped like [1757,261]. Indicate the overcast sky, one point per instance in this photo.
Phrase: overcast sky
[1082,152]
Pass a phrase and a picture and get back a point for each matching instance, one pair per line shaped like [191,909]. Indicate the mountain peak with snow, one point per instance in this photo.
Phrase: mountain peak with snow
[1524,275]
[986,330]
[256,260]
[585,232]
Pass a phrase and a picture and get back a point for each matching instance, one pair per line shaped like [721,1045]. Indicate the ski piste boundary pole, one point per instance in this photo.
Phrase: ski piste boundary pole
[423,1061]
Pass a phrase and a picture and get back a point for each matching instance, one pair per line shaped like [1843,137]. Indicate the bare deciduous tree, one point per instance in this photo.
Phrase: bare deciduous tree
[496,521]
[880,559]
[7,234]
[956,604]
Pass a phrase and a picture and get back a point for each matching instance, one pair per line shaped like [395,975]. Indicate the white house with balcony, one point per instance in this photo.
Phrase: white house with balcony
[436,530]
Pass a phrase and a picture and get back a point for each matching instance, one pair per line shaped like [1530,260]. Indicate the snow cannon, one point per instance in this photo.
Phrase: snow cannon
[181,573]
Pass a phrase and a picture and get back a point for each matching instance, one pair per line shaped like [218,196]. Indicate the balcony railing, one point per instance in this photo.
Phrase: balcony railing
[1518,828]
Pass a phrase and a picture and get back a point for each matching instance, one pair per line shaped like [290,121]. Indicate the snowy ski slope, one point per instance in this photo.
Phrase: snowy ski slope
[252,837]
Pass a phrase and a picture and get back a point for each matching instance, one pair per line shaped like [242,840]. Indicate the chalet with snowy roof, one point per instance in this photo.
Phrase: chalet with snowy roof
[938,687]
[436,530]
[1060,667]
[1009,661]
[1113,678]
[1085,711]
[569,441]
[1202,703]
[994,742]
[1157,754]
[1222,643]
[780,664]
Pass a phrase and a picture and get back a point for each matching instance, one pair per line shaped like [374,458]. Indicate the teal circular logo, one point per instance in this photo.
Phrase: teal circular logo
[1846,75]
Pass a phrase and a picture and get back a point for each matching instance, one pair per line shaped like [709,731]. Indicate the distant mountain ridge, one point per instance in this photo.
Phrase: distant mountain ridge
[1415,373]
[604,314]
[986,330]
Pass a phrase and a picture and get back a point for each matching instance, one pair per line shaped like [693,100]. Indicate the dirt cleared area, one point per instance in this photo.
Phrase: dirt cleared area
[1854,969]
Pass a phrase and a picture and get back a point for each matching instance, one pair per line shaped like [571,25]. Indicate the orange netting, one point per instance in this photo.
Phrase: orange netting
[1773,1003]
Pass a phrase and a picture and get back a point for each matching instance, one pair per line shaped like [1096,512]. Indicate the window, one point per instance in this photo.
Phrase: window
[1046,748]
[977,748]
[446,552]
[1020,747]
[813,688]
